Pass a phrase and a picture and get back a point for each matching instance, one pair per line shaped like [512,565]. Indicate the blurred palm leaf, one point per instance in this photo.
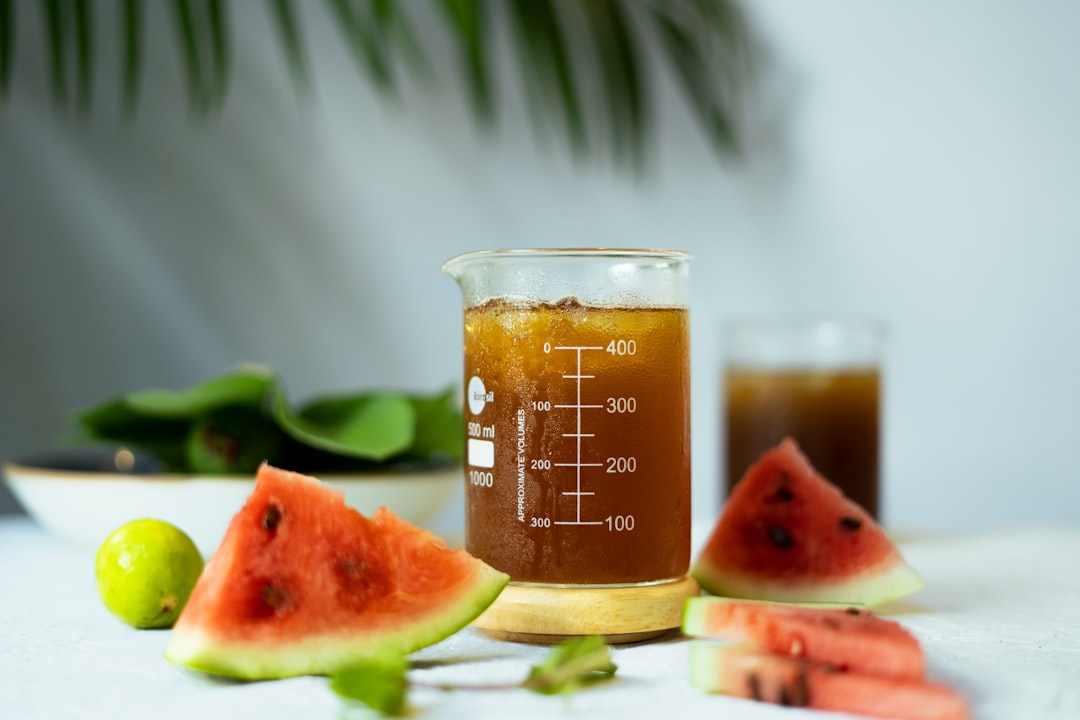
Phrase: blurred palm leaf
[585,65]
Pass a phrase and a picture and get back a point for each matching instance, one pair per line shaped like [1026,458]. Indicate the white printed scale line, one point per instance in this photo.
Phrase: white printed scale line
[577,377]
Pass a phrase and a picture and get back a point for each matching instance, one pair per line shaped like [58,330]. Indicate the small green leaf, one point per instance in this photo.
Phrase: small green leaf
[380,684]
[572,665]
[372,426]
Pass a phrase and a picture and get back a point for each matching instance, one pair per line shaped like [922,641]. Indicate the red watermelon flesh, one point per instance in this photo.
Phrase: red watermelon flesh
[788,534]
[846,639]
[754,675]
[303,584]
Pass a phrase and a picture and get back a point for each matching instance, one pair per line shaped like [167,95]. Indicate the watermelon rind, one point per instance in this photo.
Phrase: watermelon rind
[870,588]
[707,667]
[696,610]
[326,654]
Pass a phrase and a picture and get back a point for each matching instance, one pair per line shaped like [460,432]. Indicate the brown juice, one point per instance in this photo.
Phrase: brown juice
[833,415]
[578,469]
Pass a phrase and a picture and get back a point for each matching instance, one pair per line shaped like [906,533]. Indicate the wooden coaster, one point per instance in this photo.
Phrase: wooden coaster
[528,613]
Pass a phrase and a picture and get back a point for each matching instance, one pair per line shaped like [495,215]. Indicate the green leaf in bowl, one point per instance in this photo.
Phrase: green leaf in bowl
[439,427]
[232,422]
[160,421]
[374,426]
[246,387]
[115,421]
[233,439]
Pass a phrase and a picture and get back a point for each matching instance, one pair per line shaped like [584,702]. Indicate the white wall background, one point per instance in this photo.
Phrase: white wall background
[929,174]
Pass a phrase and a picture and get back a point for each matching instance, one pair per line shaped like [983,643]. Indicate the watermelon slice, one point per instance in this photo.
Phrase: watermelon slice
[754,675]
[302,584]
[844,639]
[788,534]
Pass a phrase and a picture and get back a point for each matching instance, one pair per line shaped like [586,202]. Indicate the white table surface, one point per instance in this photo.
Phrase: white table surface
[1000,620]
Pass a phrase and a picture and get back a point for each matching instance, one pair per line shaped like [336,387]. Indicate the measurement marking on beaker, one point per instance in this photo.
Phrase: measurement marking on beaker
[577,376]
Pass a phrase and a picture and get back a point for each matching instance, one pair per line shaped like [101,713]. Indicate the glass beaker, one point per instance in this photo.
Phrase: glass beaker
[577,383]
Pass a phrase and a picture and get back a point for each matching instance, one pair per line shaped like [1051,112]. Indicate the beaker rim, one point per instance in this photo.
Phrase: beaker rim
[805,324]
[512,254]
[784,341]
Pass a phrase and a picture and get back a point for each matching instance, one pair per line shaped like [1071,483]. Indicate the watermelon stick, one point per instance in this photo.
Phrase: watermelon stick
[382,684]
[847,639]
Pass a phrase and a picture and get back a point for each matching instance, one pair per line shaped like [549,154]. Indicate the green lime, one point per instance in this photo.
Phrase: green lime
[145,572]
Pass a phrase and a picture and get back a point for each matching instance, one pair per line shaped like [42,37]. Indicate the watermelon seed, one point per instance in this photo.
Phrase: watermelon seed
[272,517]
[275,596]
[780,537]
[850,524]
[753,684]
[352,567]
[783,494]
[802,688]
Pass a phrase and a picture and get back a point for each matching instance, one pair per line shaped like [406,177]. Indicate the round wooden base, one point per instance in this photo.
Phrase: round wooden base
[528,613]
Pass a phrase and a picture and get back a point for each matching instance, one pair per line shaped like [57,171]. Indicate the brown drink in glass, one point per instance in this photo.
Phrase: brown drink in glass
[818,382]
[589,416]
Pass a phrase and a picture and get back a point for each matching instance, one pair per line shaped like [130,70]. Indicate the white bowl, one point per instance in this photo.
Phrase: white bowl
[84,505]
